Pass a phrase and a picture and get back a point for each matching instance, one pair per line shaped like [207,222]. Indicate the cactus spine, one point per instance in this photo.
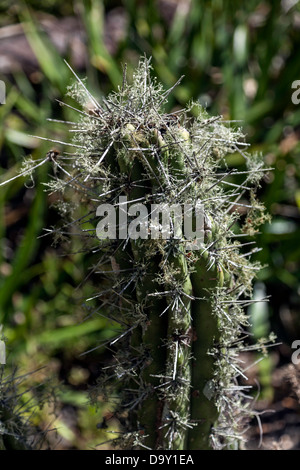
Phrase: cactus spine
[181,312]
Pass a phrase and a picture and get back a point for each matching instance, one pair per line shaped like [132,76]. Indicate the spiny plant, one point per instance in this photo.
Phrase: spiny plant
[13,429]
[17,431]
[181,312]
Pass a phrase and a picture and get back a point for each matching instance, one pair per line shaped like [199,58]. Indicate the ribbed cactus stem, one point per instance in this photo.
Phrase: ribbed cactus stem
[153,354]
[178,369]
[168,421]
[176,415]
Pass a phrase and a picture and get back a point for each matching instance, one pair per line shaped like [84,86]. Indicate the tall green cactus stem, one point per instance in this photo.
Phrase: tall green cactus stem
[130,163]
[180,307]
[175,406]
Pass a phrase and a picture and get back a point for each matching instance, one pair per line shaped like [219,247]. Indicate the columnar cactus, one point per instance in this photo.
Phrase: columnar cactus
[180,303]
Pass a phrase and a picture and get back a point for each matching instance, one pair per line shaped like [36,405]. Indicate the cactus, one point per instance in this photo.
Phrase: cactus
[180,310]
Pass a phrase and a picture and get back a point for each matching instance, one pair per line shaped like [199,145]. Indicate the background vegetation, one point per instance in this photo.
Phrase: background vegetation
[240,60]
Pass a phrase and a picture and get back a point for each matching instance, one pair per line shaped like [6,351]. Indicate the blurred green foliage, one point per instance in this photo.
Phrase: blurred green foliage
[239,59]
